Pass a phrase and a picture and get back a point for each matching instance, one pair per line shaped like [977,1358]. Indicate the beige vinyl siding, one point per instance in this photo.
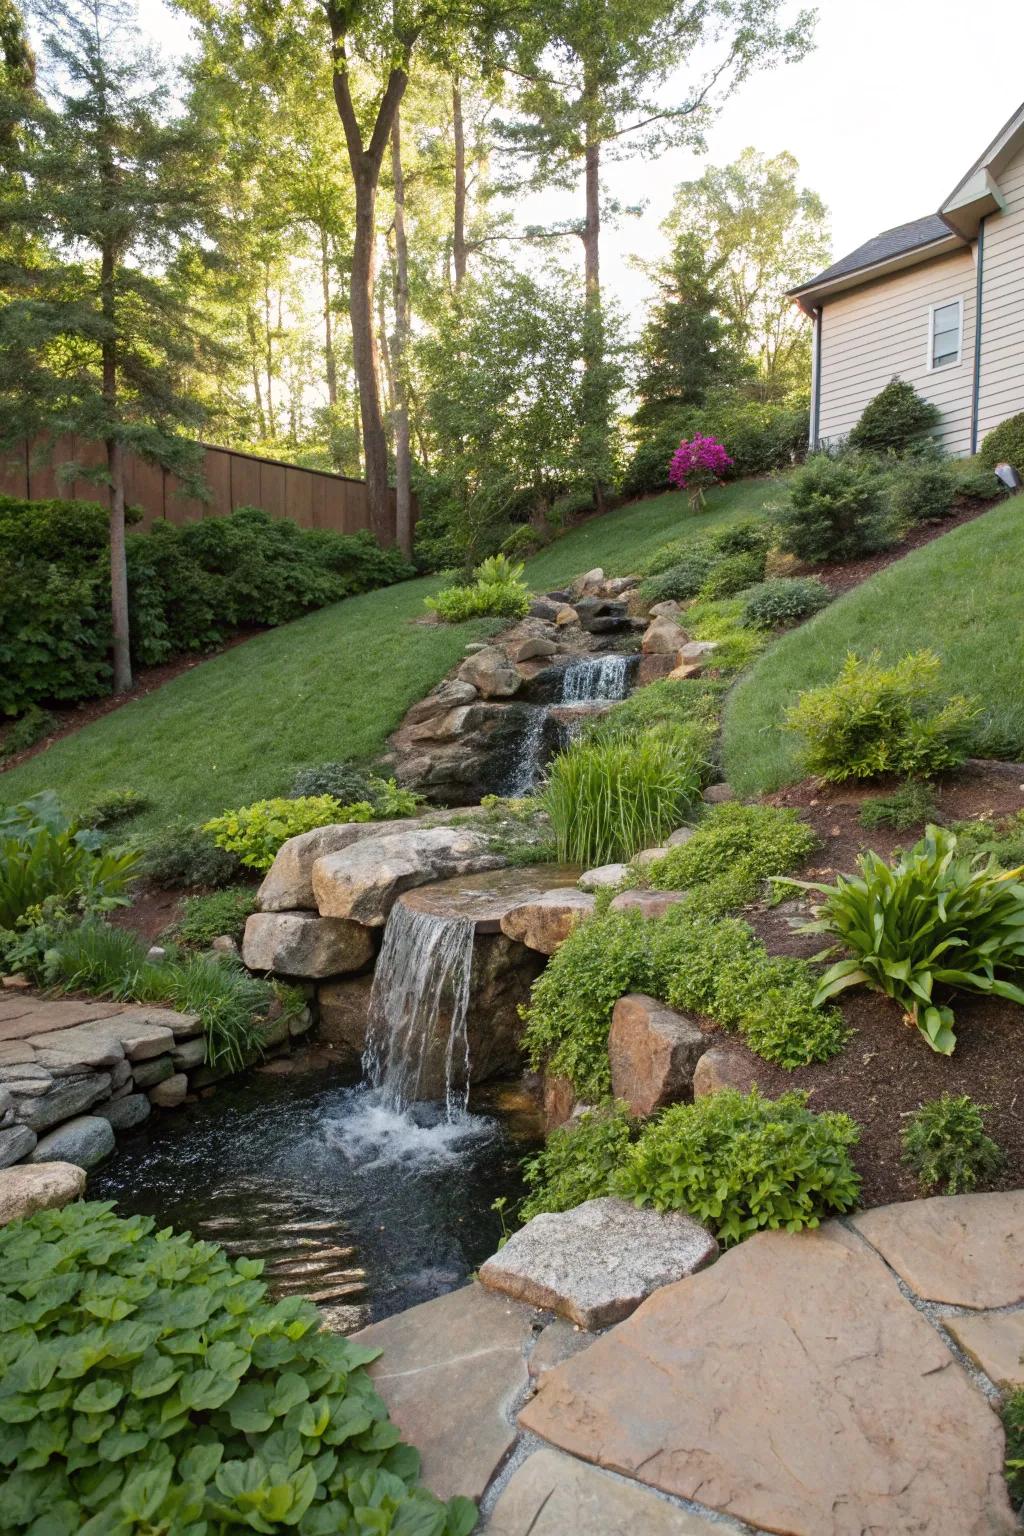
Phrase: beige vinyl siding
[881,331]
[1001,392]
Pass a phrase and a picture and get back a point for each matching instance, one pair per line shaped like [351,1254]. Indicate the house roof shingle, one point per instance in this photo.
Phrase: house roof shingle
[883,247]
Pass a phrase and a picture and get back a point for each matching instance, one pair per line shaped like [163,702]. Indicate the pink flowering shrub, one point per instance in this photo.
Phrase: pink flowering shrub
[697,465]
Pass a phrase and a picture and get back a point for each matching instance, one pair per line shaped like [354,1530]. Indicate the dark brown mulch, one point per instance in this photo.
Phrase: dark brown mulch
[887,1069]
[151,912]
[841,577]
[71,717]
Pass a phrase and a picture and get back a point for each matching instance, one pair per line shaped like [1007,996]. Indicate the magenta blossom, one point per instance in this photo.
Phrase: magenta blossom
[696,465]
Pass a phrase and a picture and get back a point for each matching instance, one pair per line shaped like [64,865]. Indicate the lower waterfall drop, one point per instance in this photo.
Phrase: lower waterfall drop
[421,981]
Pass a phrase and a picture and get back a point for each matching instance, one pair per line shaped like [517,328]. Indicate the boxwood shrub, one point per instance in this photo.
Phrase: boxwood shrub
[1004,445]
[147,1382]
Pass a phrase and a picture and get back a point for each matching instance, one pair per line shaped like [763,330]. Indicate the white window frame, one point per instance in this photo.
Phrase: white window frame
[932,366]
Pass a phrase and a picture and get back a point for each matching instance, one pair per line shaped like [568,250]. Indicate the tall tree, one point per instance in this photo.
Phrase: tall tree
[686,348]
[764,233]
[592,81]
[94,340]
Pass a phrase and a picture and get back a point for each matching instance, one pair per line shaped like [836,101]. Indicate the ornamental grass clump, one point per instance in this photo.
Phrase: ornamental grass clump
[877,721]
[696,466]
[148,1383]
[740,1163]
[609,797]
[935,920]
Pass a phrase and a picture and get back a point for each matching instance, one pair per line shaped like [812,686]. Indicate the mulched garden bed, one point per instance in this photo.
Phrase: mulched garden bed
[887,1069]
[841,577]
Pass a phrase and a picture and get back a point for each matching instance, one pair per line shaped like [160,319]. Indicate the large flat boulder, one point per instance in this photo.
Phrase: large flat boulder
[364,882]
[305,944]
[546,921]
[792,1386]
[66,1098]
[43,1187]
[652,1051]
[994,1341]
[597,1263]
[288,884]
[555,1495]
[491,673]
[966,1250]
[450,1373]
[648,903]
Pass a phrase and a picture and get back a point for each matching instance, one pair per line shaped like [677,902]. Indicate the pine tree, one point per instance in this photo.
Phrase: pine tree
[96,334]
[686,350]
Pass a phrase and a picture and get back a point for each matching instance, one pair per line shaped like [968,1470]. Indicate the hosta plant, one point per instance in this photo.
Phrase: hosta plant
[149,1384]
[46,855]
[935,920]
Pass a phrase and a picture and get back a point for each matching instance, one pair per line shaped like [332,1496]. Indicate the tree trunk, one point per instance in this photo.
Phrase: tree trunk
[268,345]
[459,252]
[403,462]
[593,354]
[330,360]
[250,325]
[118,569]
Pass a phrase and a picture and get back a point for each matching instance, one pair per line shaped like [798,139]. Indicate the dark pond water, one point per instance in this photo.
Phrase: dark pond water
[363,1209]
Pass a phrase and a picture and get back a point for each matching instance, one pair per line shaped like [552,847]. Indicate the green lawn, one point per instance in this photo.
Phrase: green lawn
[332,685]
[961,596]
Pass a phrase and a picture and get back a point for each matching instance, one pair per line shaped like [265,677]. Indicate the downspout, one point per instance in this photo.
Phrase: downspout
[979,290]
[815,424]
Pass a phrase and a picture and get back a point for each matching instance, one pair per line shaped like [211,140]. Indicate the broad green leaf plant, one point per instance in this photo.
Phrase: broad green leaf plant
[934,920]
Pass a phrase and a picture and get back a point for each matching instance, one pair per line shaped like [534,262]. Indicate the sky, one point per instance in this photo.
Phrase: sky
[894,103]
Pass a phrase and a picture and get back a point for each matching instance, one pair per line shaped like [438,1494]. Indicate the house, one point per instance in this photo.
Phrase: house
[938,302]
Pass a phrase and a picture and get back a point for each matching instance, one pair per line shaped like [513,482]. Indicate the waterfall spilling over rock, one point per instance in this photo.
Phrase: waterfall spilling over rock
[591,679]
[587,680]
[416,1041]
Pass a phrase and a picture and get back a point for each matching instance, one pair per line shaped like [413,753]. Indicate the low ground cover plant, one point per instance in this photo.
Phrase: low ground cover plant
[205,918]
[343,781]
[876,721]
[716,566]
[45,854]
[741,1163]
[149,1383]
[578,1161]
[836,510]
[784,601]
[1001,839]
[1013,1423]
[498,590]
[944,1142]
[897,420]
[114,809]
[668,701]
[740,844]
[937,919]
[692,958]
[182,856]
[909,806]
[27,731]
[255,833]
[610,796]
[189,588]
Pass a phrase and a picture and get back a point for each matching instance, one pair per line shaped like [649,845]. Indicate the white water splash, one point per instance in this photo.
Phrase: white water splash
[591,679]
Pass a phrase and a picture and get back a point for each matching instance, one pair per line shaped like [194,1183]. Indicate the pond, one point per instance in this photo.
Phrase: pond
[363,1209]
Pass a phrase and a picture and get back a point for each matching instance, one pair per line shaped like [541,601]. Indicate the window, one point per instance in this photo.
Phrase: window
[945,334]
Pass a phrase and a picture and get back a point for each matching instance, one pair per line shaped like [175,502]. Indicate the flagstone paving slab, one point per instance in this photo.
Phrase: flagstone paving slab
[995,1342]
[450,1374]
[793,1386]
[555,1495]
[965,1250]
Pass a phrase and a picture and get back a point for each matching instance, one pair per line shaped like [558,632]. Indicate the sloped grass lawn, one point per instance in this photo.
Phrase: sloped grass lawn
[961,596]
[332,685]
[617,541]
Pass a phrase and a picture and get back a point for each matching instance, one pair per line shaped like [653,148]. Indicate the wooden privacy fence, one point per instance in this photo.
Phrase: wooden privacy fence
[310,497]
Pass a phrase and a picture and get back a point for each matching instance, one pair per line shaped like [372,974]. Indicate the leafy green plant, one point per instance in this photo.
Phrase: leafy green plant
[577,1162]
[668,701]
[499,570]
[874,721]
[733,573]
[27,731]
[149,1383]
[1013,1423]
[741,1163]
[342,781]
[454,605]
[935,919]
[909,806]
[944,1142]
[205,918]
[256,832]
[45,854]
[390,801]
[896,420]
[784,601]
[921,490]
[836,510]
[1004,444]
[976,481]
[114,808]
[1002,840]
[184,856]
[747,842]
[609,797]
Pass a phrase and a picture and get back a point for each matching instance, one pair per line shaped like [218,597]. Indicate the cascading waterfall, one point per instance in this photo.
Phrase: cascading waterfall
[420,983]
[587,680]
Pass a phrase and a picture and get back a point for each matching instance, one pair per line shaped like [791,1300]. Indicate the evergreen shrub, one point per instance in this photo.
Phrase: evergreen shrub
[1004,445]
[836,510]
[895,421]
